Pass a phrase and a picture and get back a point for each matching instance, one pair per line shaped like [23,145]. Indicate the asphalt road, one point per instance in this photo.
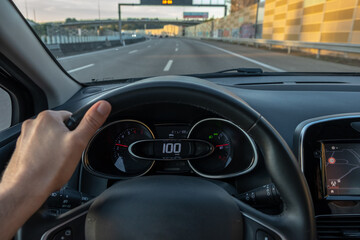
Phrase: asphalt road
[171,56]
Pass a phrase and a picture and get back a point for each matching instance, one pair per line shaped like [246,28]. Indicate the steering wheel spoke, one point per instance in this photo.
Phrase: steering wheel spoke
[258,225]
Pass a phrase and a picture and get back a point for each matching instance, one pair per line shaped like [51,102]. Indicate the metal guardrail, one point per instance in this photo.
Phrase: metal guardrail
[61,49]
[63,39]
[336,47]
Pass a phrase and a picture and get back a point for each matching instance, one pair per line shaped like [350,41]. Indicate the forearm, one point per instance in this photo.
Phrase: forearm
[18,203]
[44,159]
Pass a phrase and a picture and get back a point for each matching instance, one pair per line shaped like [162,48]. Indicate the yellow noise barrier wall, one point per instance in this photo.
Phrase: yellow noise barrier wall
[336,21]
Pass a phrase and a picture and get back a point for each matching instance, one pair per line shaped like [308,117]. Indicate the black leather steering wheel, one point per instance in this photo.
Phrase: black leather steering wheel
[178,207]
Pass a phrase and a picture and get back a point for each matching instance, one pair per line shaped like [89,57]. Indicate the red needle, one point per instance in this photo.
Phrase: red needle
[221,145]
[121,145]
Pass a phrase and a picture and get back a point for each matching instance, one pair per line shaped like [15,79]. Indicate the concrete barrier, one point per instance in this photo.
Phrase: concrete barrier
[67,49]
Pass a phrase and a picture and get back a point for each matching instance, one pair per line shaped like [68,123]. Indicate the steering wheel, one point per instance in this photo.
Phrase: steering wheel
[183,207]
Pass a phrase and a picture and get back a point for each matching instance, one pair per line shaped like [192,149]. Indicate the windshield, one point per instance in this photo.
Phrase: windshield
[97,40]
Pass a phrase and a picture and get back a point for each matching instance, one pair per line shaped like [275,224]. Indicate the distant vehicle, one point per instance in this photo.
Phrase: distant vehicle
[166,36]
[160,36]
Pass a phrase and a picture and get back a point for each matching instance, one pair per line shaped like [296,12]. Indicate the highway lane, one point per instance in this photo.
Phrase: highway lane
[170,56]
[152,58]
[289,63]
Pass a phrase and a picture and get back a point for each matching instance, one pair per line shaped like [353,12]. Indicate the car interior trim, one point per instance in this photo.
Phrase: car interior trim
[308,123]
[263,224]
[50,231]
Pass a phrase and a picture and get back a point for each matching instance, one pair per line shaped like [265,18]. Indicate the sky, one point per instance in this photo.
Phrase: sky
[59,10]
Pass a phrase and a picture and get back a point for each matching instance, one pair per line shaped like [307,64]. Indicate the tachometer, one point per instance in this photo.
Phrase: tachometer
[223,149]
[234,151]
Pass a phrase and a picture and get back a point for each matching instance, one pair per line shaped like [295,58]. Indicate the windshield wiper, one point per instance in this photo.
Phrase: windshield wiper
[233,72]
[243,70]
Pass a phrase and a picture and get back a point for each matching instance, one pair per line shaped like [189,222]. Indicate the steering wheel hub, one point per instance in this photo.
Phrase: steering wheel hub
[164,207]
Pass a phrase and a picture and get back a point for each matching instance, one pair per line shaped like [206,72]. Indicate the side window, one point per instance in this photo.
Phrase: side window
[5,109]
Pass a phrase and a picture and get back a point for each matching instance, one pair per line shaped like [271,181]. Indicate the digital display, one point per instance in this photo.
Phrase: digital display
[172,131]
[341,163]
[167,2]
[170,149]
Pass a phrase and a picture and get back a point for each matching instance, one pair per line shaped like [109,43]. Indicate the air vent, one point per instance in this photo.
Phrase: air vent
[338,227]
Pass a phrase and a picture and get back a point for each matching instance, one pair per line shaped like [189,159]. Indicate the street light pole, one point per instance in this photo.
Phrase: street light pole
[119,10]
[26,9]
[99,10]
[256,20]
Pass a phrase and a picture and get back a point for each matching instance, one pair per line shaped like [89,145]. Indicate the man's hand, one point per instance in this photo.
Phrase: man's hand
[45,158]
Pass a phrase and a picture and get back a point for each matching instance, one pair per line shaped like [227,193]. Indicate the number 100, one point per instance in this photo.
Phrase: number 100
[171,148]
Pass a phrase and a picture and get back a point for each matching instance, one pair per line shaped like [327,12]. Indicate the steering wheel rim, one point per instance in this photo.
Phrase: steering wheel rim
[297,218]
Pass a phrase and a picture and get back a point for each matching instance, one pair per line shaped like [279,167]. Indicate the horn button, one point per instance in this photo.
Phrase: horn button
[164,207]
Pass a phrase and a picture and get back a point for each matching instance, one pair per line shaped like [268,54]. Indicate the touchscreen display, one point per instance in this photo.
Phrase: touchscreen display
[342,168]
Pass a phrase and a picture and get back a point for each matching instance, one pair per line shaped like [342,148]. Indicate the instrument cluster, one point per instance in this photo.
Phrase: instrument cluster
[212,148]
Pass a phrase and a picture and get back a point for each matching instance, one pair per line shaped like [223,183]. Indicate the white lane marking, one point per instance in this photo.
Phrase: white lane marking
[149,46]
[133,51]
[80,68]
[85,54]
[246,58]
[117,49]
[176,49]
[168,65]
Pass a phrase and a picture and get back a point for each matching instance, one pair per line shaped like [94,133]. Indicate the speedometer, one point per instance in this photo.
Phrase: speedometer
[107,154]
[123,161]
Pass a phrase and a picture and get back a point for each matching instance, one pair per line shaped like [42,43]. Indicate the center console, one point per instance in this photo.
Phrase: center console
[329,155]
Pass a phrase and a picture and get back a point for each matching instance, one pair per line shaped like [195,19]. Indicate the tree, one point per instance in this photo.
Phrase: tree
[68,20]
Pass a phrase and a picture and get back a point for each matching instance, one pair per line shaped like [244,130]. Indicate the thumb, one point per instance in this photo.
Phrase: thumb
[92,121]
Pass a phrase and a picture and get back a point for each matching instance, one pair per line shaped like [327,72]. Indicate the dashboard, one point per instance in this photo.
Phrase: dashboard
[278,103]
[285,102]
[173,139]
